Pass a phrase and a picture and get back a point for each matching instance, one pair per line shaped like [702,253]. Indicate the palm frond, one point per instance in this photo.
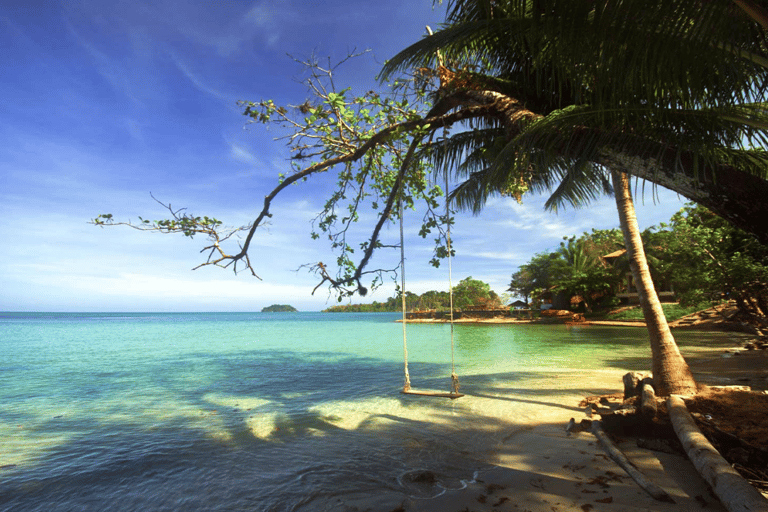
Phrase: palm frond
[455,152]
[472,193]
[681,81]
[709,137]
[661,52]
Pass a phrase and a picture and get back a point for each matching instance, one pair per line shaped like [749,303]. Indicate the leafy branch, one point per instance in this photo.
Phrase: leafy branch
[188,225]
[371,141]
[383,150]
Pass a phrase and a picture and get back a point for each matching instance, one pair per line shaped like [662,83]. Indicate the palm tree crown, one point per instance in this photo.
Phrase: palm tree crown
[674,82]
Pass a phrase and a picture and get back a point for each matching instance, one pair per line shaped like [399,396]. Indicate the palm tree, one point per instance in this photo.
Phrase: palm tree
[671,91]
[577,256]
[665,90]
[670,371]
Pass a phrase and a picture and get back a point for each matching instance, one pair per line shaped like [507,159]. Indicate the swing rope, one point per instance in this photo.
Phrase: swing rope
[454,377]
[407,383]
[454,393]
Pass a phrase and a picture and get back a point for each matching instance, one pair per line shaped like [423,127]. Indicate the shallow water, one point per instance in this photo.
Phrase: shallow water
[277,412]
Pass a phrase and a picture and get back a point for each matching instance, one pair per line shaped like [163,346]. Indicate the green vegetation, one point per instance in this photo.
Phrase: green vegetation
[469,292]
[671,312]
[709,260]
[375,307]
[576,268]
[700,256]
[279,308]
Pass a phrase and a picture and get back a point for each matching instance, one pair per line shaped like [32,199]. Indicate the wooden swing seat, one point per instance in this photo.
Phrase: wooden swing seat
[438,394]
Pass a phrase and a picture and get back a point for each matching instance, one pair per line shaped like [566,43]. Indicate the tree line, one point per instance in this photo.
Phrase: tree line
[700,256]
[469,292]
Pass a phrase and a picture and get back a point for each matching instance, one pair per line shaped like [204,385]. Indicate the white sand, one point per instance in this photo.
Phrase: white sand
[539,467]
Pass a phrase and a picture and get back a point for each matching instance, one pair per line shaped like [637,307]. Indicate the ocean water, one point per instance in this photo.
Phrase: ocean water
[272,411]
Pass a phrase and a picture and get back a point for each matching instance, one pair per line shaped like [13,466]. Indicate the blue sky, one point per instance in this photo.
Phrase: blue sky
[102,103]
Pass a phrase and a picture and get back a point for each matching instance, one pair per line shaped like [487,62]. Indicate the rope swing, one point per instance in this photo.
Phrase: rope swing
[454,393]
[407,384]
[454,377]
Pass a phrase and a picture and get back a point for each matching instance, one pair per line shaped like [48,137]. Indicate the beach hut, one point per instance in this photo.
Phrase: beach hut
[519,304]
[627,292]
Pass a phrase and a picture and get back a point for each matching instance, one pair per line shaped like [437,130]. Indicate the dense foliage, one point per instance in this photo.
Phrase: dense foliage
[709,259]
[575,268]
[672,311]
[702,257]
[469,292]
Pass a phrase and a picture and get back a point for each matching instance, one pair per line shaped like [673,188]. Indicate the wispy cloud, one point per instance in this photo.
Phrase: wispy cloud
[262,24]
[107,67]
[197,82]
[133,127]
[240,153]
[137,107]
[18,35]
[265,19]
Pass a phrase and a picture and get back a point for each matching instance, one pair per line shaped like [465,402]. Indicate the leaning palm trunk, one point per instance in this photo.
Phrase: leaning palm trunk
[670,371]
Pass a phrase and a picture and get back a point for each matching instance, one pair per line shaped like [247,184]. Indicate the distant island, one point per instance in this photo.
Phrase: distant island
[279,308]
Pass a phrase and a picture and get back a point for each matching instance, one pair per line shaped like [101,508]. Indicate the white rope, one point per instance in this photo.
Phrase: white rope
[407,383]
[454,377]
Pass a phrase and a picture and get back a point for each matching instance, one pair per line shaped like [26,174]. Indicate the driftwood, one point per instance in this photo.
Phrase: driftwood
[735,493]
[729,388]
[613,451]
[648,399]
[632,382]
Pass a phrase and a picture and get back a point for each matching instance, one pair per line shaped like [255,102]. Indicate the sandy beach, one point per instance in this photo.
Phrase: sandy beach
[541,467]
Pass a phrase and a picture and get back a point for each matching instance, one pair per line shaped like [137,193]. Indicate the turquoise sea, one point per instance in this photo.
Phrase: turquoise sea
[271,411]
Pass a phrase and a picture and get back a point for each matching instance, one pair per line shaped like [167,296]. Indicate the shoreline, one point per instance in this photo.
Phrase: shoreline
[515,321]
[539,467]
[681,323]
[710,319]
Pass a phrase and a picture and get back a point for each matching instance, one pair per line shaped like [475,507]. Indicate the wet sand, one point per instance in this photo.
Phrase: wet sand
[541,467]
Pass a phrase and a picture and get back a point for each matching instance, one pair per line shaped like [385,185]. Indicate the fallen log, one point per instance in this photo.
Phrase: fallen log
[734,492]
[614,453]
[648,399]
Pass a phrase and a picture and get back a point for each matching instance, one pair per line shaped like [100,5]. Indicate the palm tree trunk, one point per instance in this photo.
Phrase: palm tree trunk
[671,374]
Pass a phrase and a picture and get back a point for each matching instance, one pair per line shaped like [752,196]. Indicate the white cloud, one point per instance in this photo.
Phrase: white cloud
[263,18]
[241,154]
[187,149]
[228,32]
[138,291]
[198,83]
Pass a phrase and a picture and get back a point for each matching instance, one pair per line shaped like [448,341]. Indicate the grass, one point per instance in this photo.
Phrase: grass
[671,310]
